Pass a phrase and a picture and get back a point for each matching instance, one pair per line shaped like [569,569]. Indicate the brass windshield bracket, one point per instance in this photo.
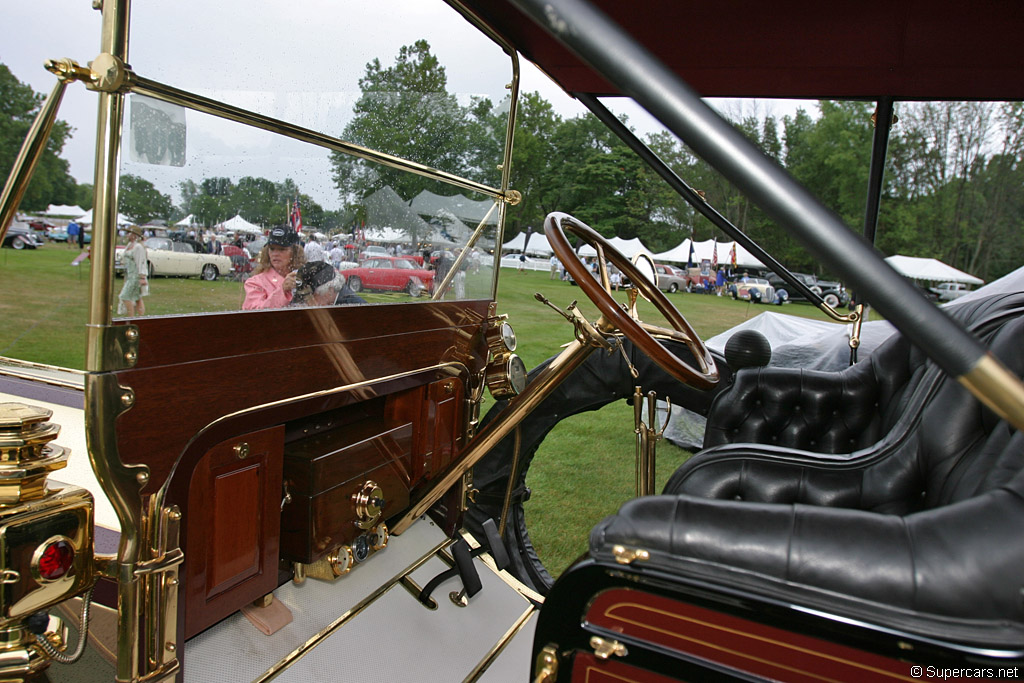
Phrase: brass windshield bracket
[120,345]
[513,197]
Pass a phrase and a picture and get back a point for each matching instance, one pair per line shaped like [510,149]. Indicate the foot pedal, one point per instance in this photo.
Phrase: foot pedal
[496,544]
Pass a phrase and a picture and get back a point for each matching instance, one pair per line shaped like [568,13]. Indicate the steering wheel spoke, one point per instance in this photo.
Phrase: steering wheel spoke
[701,373]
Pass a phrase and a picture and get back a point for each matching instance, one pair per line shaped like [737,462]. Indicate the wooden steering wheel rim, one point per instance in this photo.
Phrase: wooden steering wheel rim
[704,377]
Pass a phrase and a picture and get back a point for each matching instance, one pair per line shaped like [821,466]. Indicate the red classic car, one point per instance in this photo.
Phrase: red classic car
[390,273]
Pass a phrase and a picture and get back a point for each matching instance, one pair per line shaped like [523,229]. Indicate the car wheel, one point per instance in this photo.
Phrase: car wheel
[673,288]
[413,287]
[18,242]
[832,300]
[355,284]
[210,272]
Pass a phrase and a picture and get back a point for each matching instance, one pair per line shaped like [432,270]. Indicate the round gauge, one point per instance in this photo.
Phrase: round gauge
[361,548]
[501,338]
[506,376]
[508,336]
[517,373]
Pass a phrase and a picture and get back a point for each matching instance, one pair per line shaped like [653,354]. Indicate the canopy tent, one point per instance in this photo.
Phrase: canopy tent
[86,219]
[187,221]
[706,250]
[932,270]
[470,211]
[538,244]
[389,219]
[63,210]
[629,248]
[239,224]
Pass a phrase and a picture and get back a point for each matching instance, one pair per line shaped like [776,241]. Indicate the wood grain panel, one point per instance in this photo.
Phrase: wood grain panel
[202,368]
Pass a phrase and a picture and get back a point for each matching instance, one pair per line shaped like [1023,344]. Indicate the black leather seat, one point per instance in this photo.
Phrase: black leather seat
[885,491]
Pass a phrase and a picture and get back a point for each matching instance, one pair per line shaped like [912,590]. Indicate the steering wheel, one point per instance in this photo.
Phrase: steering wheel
[703,374]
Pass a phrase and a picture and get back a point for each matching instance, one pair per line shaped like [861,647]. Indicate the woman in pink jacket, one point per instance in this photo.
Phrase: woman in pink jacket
[272,282]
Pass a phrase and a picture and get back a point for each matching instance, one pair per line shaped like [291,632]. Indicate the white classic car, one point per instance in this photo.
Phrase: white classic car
[179,259]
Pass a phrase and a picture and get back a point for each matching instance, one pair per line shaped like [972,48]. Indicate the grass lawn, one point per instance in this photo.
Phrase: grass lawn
[583,471]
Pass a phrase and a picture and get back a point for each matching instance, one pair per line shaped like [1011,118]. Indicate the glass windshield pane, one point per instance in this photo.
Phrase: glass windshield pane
[206,193]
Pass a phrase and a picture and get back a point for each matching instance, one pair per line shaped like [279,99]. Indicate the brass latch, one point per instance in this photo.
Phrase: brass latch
[624,555]
[547,665]
[603,649]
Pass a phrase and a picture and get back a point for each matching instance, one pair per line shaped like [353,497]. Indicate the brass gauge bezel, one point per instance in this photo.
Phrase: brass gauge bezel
[501,338]
[506,376]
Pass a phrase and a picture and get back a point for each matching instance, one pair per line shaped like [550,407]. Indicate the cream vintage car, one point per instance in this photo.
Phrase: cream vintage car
[179,259]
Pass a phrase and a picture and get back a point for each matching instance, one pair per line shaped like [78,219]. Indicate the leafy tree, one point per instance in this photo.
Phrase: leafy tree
[404,110]
[141,201]
[51,182]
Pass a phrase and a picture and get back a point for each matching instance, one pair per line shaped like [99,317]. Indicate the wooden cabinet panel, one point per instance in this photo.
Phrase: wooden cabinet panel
[232,527]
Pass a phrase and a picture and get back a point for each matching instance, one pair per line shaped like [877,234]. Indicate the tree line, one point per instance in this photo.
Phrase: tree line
[953,188]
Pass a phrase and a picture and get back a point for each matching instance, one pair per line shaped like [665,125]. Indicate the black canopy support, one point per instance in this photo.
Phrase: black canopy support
[692,196]
[879,147]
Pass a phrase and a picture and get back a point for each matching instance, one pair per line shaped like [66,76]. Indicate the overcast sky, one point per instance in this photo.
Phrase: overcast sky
[205,46]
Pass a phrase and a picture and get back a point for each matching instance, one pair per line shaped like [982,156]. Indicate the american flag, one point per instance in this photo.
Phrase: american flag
[714,255]
[296,216]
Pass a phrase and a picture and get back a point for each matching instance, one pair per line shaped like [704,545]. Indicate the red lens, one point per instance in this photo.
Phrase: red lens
[55,560]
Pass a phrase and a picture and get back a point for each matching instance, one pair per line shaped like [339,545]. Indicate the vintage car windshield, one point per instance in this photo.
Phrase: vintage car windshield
[433,93]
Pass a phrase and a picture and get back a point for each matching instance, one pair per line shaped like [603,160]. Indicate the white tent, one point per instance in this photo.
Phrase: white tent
[239,224]
[86,219]
[63,210]
[187,221]
[538,244]
[932,270]
[629,248]
[705,250]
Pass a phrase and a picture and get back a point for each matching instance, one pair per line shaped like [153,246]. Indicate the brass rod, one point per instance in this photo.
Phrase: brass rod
[512,477]
[144,86]
[540,388]
[28,157]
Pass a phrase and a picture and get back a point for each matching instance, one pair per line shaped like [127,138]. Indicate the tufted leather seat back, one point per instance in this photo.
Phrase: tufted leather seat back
[915,438]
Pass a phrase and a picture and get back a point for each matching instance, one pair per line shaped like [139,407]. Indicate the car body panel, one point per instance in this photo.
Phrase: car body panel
[389,273]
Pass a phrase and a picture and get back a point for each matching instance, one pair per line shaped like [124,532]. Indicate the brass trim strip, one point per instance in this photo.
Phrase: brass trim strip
[166,93]
[998,388]
[500,646]
[299,652]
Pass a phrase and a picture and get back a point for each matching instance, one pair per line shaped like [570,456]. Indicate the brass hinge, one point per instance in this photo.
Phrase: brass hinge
[603,649]
[625,555]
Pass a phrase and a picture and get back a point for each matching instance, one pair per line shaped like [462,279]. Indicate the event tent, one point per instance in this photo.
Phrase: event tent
[239,224]
[538,244]
[187,221]
[63,210]
[629,248]
[470,211]
[86,219]
[705,250]
[929,269]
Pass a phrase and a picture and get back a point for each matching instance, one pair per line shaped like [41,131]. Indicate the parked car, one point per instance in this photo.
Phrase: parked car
[20,236]
[372,252]
[948,291]
[390,273]
[755,290]
[832,293]
[179,259]
[670,279]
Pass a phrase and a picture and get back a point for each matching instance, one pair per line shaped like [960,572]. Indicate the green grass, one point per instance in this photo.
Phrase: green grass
[584,469]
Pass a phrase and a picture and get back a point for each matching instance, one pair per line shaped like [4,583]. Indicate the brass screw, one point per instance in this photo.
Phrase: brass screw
[242,450]
[127,399]
[131,356]
[142,477]
[131,334]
